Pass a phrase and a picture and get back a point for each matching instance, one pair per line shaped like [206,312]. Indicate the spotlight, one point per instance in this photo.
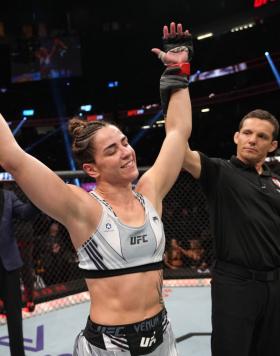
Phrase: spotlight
[28,112]
[114,84]
[205,35]
[86,108]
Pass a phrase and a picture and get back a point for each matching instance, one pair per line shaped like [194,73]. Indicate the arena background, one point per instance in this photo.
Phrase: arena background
[101,68]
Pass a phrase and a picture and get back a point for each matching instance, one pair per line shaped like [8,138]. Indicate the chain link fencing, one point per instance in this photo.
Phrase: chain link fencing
[50,272]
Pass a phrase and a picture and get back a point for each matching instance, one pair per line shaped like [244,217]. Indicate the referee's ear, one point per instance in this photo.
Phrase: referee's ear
[235,137]
[274,145]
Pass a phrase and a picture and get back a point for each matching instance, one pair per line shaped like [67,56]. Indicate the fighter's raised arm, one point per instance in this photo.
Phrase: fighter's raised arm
[42,186]
[178,49]
[176,106]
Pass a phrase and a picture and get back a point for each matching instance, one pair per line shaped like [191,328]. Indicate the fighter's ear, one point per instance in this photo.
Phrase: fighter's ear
[91,170]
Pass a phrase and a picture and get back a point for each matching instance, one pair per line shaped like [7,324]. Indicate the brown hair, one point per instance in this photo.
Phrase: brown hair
[83,144]
[262,115]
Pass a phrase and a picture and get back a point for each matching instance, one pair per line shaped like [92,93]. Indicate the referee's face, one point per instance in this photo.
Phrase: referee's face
[254,141]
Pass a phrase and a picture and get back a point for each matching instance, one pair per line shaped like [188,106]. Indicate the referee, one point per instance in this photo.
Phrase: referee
[244,203]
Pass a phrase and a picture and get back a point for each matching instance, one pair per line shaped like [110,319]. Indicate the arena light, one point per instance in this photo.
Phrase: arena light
[28,112]
[205,110]
[218,72]
[135,112]
[19,126]
[151,122]
[95,117]
[113,84]
[273,67]
[86,108]
[205,35]
[260,3]
[242,27]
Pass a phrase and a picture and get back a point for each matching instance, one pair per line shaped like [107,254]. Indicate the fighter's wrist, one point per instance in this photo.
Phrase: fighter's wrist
[185,68]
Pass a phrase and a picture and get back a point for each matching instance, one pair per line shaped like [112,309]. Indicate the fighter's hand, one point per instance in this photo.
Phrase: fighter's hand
[177,45]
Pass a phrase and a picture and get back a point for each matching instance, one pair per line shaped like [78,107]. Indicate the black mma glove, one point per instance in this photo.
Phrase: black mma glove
[179,43]
[175,76]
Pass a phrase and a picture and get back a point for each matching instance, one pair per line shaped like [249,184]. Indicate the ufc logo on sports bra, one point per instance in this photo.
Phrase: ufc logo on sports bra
[136,240]
[148,341]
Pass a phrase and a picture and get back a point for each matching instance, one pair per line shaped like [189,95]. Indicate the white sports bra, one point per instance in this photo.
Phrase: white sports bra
[116,248]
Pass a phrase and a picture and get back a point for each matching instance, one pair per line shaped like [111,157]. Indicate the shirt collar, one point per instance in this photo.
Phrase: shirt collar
[238,163]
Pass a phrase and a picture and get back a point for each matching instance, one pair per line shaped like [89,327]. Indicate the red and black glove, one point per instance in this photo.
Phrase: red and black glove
[178,51]
[177,41]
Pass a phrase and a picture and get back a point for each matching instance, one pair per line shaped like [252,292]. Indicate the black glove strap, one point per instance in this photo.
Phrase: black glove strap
[173,78]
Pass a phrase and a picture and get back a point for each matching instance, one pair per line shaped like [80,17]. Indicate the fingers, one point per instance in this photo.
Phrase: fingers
[179,29]
[172,29]
[171,32]
[159,53]
[156,51]
[165,32]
